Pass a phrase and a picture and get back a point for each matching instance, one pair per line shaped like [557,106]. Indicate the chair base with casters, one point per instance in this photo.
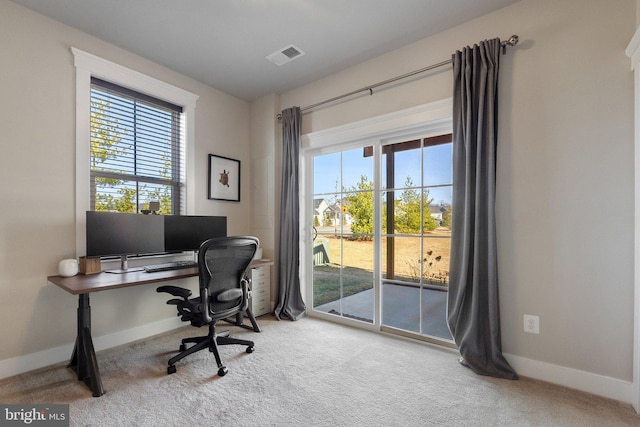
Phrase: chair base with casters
[210,341]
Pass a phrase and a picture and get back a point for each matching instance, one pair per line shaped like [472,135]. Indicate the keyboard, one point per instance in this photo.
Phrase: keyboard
[167,266]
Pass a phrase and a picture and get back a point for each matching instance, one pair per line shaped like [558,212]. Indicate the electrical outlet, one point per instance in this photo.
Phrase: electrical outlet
[531,324]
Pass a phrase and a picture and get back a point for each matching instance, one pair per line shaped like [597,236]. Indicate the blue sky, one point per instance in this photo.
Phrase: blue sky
[436,161]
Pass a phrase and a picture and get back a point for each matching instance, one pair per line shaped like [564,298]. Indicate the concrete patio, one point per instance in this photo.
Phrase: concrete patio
[400,309]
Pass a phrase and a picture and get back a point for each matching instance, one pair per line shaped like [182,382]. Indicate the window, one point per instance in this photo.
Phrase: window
[135,154]
[88,67]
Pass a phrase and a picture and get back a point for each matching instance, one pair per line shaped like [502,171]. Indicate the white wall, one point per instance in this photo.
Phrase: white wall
[265,131]
[37,171]
[565,170]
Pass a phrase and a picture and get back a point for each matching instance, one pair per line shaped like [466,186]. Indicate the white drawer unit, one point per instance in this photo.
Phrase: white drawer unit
[260,302]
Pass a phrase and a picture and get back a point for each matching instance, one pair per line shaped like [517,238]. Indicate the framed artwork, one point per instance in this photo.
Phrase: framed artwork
[224,178]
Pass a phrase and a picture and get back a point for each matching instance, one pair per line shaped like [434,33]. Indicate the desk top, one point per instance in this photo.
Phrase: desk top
[86,283]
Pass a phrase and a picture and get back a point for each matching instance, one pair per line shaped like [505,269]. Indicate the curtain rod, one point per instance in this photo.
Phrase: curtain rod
[512,41]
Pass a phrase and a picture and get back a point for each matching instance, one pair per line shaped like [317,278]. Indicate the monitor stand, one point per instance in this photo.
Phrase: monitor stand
[124,267]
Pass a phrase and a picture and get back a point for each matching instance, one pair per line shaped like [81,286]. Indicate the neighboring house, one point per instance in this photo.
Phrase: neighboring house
[339,208]
[438,211]
[325,214]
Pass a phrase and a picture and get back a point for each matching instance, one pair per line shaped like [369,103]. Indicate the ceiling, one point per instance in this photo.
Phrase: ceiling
[223,43]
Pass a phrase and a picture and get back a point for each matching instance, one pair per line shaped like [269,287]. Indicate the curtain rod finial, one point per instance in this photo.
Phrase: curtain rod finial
[512,41]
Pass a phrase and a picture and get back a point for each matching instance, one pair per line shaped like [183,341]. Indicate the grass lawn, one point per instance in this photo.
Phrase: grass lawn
[357,264]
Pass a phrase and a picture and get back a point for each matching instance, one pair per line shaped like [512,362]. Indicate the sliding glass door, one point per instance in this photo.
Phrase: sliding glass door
[381,221]
[416,235]
[343,249]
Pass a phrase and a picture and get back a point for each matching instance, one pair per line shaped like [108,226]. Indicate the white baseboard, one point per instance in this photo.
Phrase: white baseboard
[599,385]
[29,362]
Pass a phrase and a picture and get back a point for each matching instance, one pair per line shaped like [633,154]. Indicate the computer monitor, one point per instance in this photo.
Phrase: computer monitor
[123,234]
[188,232]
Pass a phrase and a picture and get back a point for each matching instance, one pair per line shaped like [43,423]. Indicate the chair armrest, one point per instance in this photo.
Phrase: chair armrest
[246,293]
[206,316]
[175,291]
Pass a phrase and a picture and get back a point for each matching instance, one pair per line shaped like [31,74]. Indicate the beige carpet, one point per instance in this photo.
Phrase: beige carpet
[307,373]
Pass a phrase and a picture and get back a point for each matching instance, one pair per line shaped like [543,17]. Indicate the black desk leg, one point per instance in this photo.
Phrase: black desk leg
[239,321]
[256,328]
[83,360]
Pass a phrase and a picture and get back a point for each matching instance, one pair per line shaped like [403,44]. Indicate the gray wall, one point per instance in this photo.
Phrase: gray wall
[37,171]
[565,170]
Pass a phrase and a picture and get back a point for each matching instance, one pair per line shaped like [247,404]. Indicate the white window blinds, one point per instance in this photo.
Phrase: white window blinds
[136,155]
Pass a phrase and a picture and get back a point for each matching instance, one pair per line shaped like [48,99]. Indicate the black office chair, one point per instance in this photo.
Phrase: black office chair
[224,292]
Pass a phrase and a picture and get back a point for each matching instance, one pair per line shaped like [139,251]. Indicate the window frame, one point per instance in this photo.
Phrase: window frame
[87,66]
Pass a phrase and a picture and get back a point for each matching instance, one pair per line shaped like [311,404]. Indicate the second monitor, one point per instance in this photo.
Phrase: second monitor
[187,232]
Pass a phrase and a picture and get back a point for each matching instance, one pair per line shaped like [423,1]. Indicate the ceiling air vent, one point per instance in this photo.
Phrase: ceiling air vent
[286,54]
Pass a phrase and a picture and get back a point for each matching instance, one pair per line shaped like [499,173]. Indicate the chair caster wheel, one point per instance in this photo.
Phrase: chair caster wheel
[250,349]
[183,347]
[223,371]
[171,369]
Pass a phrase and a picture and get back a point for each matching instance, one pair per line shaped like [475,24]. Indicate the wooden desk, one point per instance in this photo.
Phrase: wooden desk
[83,359]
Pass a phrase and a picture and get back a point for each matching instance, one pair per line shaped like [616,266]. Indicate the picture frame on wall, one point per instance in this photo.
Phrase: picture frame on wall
[224,178]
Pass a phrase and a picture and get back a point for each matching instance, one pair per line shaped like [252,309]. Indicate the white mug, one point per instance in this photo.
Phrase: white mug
[68,267]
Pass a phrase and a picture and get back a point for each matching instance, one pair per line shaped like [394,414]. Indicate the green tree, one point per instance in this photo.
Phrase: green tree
[360,207]
[158,194]
[124,203]
[162,194]
[107,143]
[408,210]
[106,134]
[446,216]
[106,137]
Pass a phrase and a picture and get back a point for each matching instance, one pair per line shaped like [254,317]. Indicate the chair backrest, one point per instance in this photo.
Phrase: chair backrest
[222,264]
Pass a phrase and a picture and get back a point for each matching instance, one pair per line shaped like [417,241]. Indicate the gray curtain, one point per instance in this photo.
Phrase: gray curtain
[290,303]
[473,311]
